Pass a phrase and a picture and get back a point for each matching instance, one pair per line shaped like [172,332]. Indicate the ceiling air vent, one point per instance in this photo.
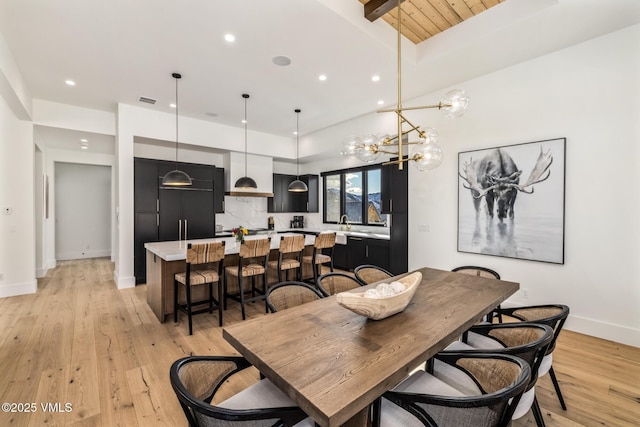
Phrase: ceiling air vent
[147,100]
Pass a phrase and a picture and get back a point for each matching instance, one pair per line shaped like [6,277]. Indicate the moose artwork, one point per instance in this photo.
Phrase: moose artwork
[511,201]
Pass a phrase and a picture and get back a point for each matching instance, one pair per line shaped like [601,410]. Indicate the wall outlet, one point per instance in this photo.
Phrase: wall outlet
[423,228]
[1,277]
[524,293]
[8,211]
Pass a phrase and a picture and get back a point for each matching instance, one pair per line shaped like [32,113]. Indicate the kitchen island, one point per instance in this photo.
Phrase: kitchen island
[165,259]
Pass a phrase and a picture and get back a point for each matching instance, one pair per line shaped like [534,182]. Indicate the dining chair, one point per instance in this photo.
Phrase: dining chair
[291,294]
[478,271]
[553,315]
[252,262]
[528,341]
[198,272]
[289,256]
[368,273]
[333,283]
[425,400]
[197,379]
[323,242]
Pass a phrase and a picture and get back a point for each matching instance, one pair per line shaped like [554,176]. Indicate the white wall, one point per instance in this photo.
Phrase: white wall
[589,94]
[83,211]
[17,230]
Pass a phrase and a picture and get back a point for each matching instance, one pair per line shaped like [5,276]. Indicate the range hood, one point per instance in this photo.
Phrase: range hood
[260,168]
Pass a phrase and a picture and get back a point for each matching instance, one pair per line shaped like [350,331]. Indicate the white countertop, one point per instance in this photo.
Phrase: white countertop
[177,250]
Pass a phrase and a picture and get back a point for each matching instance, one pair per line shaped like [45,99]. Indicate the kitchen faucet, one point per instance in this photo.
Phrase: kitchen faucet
[346,221]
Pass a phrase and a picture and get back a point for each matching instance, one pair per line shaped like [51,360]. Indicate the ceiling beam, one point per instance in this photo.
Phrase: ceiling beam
[374,9]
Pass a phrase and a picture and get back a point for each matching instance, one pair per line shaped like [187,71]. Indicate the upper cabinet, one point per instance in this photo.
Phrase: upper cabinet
[394,193]
[285,201]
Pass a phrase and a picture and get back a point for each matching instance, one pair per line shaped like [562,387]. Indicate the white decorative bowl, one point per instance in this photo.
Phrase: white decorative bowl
[381,308]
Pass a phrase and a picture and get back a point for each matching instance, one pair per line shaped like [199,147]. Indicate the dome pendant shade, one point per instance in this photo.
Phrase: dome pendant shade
[176,178]
[246,182]
[298,186]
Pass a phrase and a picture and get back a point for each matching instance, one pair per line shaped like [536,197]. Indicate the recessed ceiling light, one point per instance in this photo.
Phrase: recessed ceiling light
[172,105]
[84,140]
[70,82]
[85,147]
[375,78]
[322,77]
[282,61]
[380,102]
[230,38]
[244,121]
[295,133]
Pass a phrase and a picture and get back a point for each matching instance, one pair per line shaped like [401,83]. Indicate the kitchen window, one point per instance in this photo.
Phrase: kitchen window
[355,193]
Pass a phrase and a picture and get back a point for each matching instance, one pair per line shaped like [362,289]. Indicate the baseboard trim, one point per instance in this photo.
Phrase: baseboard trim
[84,254]
[124,282]
[607,331]
[41,272]
[12,290]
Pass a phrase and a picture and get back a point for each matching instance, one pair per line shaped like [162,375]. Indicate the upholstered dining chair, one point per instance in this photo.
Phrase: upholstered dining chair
[478,271]
[368,273]
[424,400]
[199,271]
[333,283]
[553,315]
[528,341]
[289,256]
[252,262]
[323,242]
[291,294]
[197,379]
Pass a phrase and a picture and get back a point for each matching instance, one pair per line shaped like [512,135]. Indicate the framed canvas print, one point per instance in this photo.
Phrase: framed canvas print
[511,201]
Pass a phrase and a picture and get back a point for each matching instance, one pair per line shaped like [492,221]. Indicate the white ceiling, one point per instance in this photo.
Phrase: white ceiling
[118,50]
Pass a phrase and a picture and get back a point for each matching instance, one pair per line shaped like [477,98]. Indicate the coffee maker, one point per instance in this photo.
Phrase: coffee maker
[270,223]
[297,221]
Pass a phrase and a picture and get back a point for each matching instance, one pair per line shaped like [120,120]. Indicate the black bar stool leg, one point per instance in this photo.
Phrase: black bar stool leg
[554,380]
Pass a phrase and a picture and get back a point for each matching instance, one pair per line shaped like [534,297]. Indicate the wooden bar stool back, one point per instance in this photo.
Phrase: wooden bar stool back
[199,272]
[324,242]
[289,256]
[252,262]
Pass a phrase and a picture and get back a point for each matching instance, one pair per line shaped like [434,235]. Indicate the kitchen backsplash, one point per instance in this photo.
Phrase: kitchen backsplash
[251,212]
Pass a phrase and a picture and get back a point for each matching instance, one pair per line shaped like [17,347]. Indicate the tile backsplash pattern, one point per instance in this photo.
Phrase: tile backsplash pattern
[251,212]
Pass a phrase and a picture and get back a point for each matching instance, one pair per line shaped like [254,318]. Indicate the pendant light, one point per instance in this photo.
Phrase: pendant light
[245,181]
[176,178]
[298,186]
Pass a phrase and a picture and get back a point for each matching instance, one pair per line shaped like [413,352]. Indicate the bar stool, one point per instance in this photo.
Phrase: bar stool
[200,255]
[289,256]
[322,242]
[252,262]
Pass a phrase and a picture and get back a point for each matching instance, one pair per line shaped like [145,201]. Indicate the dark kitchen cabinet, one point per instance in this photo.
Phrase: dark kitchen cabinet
[362,250]
[340,257]
[218,190]
[394,189]
[285,201]
[165,213]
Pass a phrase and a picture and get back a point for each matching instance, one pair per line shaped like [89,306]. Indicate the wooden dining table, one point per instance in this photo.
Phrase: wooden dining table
[334,363]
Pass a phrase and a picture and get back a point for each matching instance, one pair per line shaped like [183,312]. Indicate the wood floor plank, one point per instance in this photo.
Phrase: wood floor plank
[79,339]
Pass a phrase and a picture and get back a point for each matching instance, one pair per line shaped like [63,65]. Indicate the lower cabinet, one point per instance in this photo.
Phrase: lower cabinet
[361,250]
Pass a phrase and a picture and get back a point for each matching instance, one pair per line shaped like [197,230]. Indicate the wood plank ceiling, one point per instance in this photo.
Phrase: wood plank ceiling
[422,19]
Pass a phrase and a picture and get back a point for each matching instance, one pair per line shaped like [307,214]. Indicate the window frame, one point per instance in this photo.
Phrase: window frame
[365,192]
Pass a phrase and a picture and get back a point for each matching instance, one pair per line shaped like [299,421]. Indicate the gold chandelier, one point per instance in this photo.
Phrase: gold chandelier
[427,153]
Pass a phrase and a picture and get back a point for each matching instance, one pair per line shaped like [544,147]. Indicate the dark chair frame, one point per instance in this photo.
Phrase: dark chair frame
[187,308]
[363,266]
[316,267]
[555,322]
[313,289]
[532,353]
[289,416]
[326,293]
[486,270]
[410,401]
[256,294]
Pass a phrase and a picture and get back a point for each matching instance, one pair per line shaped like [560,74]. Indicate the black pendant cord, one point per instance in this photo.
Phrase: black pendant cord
[176,120]
[245,134]
[298,144]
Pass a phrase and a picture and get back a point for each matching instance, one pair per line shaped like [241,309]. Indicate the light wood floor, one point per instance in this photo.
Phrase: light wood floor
[81,341]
